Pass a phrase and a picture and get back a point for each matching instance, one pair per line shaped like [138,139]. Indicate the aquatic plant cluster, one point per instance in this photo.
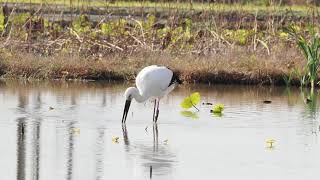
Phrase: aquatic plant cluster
[193,100]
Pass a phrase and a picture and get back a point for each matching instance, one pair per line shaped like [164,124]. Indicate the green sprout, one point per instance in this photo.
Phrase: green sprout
[191,101]
[217,109]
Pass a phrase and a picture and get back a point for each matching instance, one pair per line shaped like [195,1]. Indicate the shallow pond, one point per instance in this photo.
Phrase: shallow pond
[59,130]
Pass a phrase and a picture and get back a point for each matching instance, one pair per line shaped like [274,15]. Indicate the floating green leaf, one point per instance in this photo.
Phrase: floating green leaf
[218,108]
[191,101]
[186,103]
[195,98]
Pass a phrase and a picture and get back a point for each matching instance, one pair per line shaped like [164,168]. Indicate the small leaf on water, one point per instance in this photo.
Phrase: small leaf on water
[186,103]
[270,143]
[195,98]
[76,131]
[190,101]
[115,139]
[218,108]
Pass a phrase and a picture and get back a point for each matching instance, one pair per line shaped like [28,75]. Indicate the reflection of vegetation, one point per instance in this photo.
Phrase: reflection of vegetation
[310,99]
[217,114]
[190,114]
[291,99]
[308,96]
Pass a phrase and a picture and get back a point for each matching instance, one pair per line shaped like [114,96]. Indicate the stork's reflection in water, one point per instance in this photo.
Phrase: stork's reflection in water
[156,158]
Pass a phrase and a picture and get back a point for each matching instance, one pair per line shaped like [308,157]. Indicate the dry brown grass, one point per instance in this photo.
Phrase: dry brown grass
[238,66]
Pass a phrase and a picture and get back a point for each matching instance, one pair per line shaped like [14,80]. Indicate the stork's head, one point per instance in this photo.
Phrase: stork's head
[129,94]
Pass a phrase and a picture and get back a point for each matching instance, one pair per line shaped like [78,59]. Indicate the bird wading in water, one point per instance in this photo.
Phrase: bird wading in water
[153,82]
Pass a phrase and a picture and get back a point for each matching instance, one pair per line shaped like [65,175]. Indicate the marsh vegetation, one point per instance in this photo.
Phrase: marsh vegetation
[206,42]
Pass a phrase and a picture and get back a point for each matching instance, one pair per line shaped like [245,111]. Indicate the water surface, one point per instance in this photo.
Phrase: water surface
[73,138]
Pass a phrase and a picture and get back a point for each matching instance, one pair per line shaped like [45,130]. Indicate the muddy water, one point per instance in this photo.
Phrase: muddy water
[56,131]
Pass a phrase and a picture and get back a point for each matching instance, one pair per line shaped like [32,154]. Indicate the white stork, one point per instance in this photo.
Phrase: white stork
[153,82]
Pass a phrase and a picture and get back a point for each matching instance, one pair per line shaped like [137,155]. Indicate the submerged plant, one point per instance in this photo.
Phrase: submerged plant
[310,100]
[191,101]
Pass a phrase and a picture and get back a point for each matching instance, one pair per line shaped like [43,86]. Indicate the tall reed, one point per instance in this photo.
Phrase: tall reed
[310,48]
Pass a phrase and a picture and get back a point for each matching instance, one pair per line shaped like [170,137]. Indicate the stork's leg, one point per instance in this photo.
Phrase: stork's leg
[154,110]
[157,111]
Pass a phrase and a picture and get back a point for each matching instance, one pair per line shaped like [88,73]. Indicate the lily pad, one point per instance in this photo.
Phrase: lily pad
[115,139]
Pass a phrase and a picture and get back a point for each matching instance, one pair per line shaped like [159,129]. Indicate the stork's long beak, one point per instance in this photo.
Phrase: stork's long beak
[125,111]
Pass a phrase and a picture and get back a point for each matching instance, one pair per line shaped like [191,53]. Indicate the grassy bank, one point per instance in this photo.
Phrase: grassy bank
[235,67]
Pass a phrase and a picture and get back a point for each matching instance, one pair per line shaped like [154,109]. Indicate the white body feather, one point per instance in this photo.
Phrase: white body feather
[153,81]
